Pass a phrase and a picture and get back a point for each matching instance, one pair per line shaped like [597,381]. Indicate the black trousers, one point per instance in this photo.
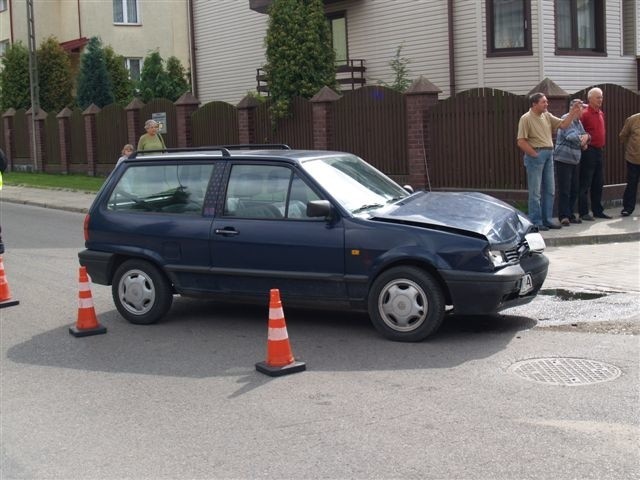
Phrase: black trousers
[631,190]
[591,181]
[567,184]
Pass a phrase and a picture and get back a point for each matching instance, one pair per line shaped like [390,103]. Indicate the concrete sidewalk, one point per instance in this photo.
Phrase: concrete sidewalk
[618,229]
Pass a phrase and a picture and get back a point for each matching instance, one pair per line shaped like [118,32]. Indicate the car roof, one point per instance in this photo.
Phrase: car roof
[231,152]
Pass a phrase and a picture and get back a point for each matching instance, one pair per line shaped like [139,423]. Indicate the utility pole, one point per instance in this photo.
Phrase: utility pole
[33,81]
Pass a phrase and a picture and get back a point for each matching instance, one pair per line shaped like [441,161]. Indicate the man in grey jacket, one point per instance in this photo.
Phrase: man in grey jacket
[569,145]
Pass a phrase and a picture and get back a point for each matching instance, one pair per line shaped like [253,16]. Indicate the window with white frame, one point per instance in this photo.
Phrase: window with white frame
[508,27]
[580,26]
[3,5]
[4,45]
[126,11]
[133,65]
[338,25]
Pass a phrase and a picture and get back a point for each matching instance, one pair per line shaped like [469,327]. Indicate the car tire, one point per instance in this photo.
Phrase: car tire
[406,304]
[141,293]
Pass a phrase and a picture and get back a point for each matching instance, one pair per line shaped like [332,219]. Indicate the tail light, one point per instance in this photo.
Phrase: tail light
[86,228]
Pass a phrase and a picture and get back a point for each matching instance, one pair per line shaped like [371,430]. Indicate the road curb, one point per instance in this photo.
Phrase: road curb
[592,239]
[46,205]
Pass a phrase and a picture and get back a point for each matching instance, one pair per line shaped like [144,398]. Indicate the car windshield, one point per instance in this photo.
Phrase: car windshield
[355,184]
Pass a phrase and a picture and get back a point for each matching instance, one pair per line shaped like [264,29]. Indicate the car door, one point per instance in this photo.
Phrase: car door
[159,211]
[264,239]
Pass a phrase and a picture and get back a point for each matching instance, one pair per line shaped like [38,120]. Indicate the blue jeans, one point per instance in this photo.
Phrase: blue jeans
[541,186]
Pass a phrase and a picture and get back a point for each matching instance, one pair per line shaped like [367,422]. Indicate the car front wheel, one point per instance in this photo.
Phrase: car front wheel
[141,293]
[406,304]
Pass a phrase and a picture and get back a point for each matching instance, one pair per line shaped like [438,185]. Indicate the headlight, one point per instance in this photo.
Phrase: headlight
[498,258]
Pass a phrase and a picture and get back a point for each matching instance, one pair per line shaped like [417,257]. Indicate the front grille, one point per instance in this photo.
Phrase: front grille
[515,254]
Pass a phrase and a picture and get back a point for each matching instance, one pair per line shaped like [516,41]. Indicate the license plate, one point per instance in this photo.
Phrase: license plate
[526,284]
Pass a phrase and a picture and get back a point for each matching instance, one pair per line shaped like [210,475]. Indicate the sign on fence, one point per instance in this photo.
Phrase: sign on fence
[161,118]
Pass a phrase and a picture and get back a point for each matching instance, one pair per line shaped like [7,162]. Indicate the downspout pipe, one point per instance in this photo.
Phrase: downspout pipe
[192,49]
[452,49]
[11,21]
[79,20]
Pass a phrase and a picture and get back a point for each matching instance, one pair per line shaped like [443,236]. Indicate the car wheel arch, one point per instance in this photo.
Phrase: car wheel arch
[421,264]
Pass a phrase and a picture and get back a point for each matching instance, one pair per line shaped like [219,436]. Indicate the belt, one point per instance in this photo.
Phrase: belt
[543,148]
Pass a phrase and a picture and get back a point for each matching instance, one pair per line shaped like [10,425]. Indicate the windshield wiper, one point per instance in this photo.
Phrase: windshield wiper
[367,207]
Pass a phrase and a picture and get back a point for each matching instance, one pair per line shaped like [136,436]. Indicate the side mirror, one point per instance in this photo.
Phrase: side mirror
[318,208]
[408,188]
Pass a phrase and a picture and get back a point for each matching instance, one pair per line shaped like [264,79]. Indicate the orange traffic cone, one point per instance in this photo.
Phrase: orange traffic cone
[280,360]
[87,323]
[5,293]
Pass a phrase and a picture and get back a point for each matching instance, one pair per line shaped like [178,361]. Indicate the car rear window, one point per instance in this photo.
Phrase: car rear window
[176,188]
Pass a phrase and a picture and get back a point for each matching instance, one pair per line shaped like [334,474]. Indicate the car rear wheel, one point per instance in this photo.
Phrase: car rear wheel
[406,304]
[141,293]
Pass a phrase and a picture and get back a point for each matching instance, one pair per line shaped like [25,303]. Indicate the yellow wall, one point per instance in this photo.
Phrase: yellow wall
[163,25]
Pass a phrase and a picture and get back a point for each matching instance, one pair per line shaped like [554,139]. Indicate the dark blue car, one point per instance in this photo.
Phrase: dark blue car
[325,228]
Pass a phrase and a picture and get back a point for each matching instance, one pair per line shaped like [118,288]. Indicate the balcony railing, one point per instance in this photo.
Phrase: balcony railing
[349,75]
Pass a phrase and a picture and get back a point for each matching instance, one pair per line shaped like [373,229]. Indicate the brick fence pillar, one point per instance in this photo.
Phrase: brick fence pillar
[91,136]
[185,106]
[9,136]
[323,104]
[558,98]
[419,98]
[133,121]
[247,119]
[64,134]
[37,123]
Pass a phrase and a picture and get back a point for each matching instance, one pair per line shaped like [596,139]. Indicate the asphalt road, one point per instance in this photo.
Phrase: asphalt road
[182,400]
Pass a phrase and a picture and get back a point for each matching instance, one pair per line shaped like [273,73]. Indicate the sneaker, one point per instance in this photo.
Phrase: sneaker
[553,225]
[575,220]
[542,228]
[601,215]
[565,222]
[625,213]
[587,217]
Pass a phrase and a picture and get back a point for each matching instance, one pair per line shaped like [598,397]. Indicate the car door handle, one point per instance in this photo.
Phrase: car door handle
[226,231]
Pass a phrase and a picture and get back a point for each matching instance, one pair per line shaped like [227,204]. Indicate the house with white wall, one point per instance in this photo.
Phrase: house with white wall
[457,44]
[134,28]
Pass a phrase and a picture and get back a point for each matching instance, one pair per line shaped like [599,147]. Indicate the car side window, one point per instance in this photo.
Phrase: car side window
[267,191]
[179,189]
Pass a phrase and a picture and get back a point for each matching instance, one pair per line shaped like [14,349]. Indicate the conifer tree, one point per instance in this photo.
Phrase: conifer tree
[55,77]
[14,78]
[94,84]
[176,74]
[154,81]
[299,51]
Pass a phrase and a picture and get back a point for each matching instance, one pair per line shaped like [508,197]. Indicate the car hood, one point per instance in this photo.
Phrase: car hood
[472,212]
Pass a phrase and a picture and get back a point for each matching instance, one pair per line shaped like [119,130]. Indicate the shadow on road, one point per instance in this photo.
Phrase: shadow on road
[201,339]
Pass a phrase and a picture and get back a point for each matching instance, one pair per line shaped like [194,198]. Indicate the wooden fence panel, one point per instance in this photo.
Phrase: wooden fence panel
[52,143]
[78,142]
[371,123]
[619,103]
[473,141]
[158,105]
[111,123]
[215,123]
[295,131]
[21,135]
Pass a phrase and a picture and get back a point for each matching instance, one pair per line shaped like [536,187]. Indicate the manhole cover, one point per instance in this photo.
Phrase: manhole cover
[565,371]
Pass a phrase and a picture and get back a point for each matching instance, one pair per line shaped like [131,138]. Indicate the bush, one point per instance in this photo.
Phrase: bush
[14,78]
[55,76]
[119,75]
